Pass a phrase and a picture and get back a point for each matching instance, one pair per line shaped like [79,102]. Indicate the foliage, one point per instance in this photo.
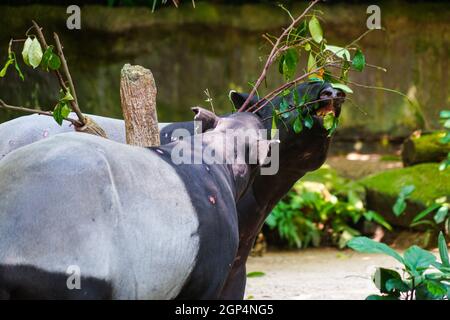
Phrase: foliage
[255,274]
[441,216]
[304,39]
[400,204]
[423,278]
[310,214]
[35,53]
[445,119]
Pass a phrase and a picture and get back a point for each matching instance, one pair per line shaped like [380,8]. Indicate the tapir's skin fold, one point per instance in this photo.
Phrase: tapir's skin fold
[299,153]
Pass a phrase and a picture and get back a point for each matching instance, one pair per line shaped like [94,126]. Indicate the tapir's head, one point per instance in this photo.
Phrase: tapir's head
[306,150]
[241,137]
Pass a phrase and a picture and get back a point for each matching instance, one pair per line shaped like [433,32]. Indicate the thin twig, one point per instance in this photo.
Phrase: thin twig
[60,78]
[75,105]
[292,108]
[275,92]
[4,105]
[272,56]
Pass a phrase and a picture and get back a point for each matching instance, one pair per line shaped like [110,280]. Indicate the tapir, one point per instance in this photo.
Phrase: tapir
[132,223]
[299,154]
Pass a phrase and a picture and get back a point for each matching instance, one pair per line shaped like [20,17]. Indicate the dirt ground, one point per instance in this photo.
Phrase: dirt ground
[314,274]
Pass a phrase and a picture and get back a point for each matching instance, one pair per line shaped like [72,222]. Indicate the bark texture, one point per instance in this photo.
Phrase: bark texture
[138,99]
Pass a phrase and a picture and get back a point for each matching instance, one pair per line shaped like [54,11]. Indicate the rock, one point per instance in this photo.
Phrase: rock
[382,190]
[424,148]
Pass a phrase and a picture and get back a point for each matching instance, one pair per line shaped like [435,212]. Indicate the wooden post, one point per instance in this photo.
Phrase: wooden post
[138,99]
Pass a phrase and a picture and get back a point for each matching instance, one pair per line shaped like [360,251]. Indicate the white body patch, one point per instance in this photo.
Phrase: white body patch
[24,130]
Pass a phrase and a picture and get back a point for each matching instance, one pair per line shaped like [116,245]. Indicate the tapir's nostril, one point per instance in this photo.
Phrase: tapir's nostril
[340,94]
[327,93]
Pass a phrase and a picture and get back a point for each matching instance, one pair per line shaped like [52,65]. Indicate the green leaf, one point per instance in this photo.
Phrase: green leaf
[61,112]
[296,98]
[342,86]
[447,124]
[302,29]
[328,121]
[359,61]
[417,259]
[290,62]
[315,29]
[308,121]
[35,53]
[311,63]
[284,105]
[345,71]
[425,212]
[340,52]
[378,297]
[50,60]
[423,223]
[26,50]
[364,244]
[399,206]
[436,288]
[298,125]
[379,219]
[382,276]
[407,190]
[273,130]
[397,284]
[9,62]
[445,114]
[16,65]
[443,251]
[255,274]
[441,214]
[67,97]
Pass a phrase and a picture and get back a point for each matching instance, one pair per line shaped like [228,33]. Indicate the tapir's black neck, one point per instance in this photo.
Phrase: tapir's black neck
[308,154]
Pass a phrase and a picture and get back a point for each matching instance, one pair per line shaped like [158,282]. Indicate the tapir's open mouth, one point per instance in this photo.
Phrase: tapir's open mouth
[326,109]
[330,102]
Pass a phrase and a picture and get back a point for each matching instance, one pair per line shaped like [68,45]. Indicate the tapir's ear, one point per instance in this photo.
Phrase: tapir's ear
[207,119]
[264,148]
[238,99]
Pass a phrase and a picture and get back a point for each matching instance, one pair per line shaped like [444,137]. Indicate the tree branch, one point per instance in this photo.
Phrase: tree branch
[266,99]
[75,105]
[273,54]
[4,105]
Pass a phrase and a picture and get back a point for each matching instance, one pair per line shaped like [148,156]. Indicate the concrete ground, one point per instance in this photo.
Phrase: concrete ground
[314,274]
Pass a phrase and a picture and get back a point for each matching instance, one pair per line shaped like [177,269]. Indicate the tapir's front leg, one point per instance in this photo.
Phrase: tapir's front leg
[234,287]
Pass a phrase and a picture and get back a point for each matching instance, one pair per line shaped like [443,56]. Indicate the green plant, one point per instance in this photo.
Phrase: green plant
[400,204]
[37,53]
[310,214]
[424,278]
[441,215]
[325,62]
[445,119]
[440,207]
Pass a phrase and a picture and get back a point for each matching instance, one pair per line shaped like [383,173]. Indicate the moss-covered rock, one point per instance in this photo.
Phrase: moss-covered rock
[425,148]
[382,190]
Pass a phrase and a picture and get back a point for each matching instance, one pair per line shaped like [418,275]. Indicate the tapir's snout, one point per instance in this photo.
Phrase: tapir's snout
[331,101]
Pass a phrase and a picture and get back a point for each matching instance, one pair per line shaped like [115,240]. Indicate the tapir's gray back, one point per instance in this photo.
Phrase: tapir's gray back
[124,224]
[24,130]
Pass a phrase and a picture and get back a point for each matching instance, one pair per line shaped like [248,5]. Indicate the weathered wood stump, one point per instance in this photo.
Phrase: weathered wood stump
[138,99]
